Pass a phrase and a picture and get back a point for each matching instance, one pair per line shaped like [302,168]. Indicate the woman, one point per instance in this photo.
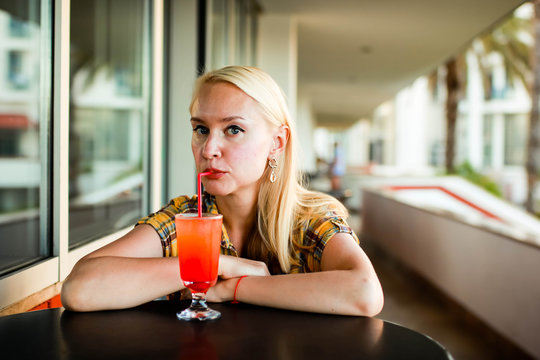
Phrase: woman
[293,244]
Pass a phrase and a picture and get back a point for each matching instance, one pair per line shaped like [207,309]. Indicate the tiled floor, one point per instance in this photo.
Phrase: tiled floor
[414,303]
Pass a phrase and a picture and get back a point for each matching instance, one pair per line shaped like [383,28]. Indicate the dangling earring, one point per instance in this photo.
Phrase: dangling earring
[273,164]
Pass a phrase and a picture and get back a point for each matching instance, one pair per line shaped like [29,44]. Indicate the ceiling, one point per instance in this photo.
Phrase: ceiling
[355,54]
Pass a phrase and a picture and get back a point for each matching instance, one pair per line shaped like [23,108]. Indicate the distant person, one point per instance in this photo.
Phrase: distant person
[294,245]
[337,168]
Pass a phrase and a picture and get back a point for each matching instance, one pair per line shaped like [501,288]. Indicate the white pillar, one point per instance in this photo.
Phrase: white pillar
[358,143]
[475,121]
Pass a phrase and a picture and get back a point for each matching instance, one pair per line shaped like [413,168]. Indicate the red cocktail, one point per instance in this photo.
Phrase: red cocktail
[198,240]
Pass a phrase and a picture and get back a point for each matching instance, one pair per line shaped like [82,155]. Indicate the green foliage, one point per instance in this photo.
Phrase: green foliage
[465,170]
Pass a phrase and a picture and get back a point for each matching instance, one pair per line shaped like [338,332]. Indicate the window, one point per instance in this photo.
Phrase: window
[109,109]
[96,125]
[24,124]
[93,125]
[487,143]
[241,33]
[220,34]
[515,139]
[19,28]
[18,77]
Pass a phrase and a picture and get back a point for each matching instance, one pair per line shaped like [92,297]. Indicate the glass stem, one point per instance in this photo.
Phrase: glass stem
[198,300]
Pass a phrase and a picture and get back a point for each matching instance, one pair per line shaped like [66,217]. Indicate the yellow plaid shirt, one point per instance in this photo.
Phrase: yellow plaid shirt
[313,236]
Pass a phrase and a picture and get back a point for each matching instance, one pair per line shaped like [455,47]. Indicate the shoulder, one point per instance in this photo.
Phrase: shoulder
[315,233]
[183,203]
[326,225]
[162,221]
[167,213]
[319,216]
[314,206]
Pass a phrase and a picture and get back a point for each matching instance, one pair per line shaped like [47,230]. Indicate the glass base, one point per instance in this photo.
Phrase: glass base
[198,310]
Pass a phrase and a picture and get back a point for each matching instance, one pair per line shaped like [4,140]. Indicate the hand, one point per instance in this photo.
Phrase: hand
[222,291]
[233,267]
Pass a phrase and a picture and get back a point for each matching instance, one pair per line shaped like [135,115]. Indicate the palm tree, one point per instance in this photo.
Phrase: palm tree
[456,78]
[521,63]
[509,41]
[453,88]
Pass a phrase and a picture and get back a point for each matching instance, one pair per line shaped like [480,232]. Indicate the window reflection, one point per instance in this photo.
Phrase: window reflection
[108,112]
[21,141]
[241,33]
[233,36]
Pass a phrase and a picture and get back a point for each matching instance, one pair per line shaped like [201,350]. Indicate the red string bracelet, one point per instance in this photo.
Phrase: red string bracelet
[236,289]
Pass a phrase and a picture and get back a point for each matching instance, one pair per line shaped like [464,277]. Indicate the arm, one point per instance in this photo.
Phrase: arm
[125,273]
[131,271]
[346,285]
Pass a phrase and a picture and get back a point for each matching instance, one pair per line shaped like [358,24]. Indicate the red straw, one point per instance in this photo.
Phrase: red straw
[199,195]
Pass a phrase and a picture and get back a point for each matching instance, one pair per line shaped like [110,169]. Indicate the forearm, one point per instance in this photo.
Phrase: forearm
[345,292]
[107,282]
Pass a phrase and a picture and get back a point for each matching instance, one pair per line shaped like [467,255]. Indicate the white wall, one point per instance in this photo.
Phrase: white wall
[277,53]
[305,129]
[411,152]
[183,52]
[492,275]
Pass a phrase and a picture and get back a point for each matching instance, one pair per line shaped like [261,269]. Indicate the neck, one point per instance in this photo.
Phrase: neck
[239,215]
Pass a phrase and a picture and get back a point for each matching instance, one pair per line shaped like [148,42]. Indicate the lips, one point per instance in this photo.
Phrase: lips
[215,173]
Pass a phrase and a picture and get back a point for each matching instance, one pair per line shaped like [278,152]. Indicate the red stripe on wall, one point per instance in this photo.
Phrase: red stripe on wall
[446,191]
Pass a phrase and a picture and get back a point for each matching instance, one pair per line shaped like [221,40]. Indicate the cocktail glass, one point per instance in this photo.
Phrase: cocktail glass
[198,239]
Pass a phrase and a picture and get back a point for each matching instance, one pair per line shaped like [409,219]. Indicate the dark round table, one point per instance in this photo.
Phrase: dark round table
[151,331]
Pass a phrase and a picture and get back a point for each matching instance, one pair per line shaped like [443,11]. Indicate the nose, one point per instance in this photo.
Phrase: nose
[212,147]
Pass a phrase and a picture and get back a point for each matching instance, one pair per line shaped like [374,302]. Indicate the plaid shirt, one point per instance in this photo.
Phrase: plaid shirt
[312,237]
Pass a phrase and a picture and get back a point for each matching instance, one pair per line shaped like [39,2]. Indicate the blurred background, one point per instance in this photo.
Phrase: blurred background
[420,116]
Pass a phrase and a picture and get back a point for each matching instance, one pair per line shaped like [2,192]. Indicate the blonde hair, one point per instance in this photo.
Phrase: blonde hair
[277,223]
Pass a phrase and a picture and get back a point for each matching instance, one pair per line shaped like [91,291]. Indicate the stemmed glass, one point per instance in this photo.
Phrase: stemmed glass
[198,239]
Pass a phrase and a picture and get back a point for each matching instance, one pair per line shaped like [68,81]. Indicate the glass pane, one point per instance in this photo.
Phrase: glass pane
[108,116]
[515,132]
[252,35]
[241,31]
[220,34]
[23,131]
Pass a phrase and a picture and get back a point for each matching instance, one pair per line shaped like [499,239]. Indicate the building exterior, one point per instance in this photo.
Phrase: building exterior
[408,132]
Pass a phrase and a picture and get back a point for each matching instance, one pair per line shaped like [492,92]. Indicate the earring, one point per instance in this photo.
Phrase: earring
[273,164]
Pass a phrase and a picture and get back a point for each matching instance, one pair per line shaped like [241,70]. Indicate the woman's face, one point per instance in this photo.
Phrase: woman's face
[230,138]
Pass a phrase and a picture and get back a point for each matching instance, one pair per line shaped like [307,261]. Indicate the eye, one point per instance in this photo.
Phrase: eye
[234,129]
[201,130]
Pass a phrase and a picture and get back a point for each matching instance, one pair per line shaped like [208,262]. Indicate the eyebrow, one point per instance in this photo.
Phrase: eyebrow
[224,120]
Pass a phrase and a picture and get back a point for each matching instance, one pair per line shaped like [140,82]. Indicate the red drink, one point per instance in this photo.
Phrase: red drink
[198,240]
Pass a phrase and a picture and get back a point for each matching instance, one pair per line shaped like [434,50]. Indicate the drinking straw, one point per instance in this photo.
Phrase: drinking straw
[199,195]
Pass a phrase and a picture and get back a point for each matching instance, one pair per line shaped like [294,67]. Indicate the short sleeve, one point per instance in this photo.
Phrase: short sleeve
[163,221]
[315,237]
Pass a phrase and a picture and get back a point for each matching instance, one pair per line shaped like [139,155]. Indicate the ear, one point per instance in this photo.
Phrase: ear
[279,141]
